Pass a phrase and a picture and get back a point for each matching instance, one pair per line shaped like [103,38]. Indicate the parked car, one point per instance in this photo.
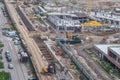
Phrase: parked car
[20,50]
[17,42]
[5,29]
[15,38]
[35,79]
[9,59]
[10,66]
[11,34]
[8,56]
[5,14]
[23,57]
[3,9]
[4,32]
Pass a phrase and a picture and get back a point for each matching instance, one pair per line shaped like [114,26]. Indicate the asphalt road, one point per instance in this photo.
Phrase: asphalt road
[20,71]
[3,19]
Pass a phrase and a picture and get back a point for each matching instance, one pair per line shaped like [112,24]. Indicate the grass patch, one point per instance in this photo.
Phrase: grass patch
[12,28]
[1,45]
[40,20]
[116,73]
[1,65]
[106,66]
[4,76]
[0,57]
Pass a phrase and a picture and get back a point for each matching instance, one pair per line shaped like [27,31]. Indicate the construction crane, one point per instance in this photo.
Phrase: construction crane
[88,8]
[88,12]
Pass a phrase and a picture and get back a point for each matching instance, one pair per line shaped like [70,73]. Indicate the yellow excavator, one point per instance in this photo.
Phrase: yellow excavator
[69,35]
[50,69]
[45,69]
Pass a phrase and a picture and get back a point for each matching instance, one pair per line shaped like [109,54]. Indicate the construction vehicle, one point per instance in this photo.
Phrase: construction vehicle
[69,35]
[75,39]
[42,12]
[50,69]
[42,4]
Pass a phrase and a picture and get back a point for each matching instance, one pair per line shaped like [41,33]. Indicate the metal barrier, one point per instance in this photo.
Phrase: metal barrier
[74,59]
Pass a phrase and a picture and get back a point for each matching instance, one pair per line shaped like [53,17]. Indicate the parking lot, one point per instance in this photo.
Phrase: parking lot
[19,70]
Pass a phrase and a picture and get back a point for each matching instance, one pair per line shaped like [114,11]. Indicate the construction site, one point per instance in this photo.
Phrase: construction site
[64,37]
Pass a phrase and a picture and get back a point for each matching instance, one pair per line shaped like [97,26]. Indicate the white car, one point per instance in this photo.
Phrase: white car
[10,66]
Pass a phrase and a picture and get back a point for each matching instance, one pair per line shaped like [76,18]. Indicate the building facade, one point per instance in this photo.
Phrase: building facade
[111,52]
[64,24]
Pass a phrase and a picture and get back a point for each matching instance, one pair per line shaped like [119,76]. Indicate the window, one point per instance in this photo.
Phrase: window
[61,28]
[112,55]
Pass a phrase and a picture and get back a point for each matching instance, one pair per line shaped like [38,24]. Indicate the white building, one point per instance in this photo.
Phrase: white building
[109,51]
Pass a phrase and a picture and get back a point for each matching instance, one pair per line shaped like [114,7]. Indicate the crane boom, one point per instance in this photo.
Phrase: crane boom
[88,8]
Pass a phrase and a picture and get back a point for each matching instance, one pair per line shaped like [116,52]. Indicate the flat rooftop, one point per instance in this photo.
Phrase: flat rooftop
[116,50]
[104,47]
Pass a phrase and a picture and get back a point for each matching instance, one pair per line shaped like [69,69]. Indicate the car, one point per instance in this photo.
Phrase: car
[5,14]
[15,38]
[20,50]
[3,9]
[10,66]
[5,29]
[8,56]
[10,34]
[9,59]
[4,32]
[17,42]
[35,79]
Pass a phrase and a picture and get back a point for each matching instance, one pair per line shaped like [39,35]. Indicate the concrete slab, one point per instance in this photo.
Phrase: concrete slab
[104,47]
